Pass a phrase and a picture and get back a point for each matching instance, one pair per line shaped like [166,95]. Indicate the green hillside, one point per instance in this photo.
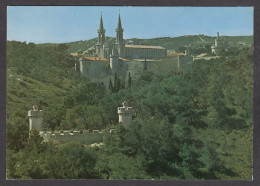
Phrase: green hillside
[36,74]
[81,45]
[170,43]
[186,126]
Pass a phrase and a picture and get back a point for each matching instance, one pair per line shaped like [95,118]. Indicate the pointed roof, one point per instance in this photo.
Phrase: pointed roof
[119,25]
[101,27]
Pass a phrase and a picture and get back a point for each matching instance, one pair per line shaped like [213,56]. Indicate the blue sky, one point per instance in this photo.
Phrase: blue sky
[58,24]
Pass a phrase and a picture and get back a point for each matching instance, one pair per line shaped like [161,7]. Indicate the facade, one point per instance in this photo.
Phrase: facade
[115,58]
[94,67]
[125,50]
[144,52]
[219,45]
[121,58]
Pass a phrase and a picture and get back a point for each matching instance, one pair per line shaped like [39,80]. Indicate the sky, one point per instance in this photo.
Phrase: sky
[61,24]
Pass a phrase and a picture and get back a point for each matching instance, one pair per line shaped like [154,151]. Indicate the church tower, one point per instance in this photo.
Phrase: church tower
[119,38]
[101,32]
[101,39]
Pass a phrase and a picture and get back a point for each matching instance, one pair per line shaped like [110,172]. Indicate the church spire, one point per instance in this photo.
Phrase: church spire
[101,32]
[119,25]
[101,27]
[119,31]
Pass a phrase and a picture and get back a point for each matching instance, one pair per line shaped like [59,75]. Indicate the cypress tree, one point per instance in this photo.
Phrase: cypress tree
[110,86]
[118,85]
[115,79]
[145,64]
[129,80]
[123,85]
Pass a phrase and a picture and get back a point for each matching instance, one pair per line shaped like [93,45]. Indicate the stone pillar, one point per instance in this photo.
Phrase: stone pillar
[35,119]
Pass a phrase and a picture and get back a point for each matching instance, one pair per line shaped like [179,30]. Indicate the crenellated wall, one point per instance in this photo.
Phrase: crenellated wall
[84,137]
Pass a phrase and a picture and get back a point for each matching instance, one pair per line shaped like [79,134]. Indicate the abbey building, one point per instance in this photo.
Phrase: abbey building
[124,50]
[117,57]
[109,56]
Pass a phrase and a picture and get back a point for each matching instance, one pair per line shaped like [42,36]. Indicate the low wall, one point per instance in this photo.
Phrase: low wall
[85,137]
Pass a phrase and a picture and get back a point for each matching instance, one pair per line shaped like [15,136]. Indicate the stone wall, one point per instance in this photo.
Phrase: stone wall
[184,63]
[168,65]
[84,137]
[94,69]
[101,71]
[135,68]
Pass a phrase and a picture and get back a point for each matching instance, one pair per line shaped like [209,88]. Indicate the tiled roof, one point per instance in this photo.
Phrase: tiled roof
[74,54]
[96,59]
[202,55]
[144,46]
[175,54]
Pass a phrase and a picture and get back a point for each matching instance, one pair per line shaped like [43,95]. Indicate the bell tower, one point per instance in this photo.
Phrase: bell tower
[101,32]
[119,31]
[119,38]
[101,39]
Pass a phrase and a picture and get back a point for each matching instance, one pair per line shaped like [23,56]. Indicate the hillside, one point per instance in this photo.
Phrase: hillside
[192,125]
[170,43]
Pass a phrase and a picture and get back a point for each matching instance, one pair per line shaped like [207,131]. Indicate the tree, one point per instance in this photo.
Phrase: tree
[124,167]
[17,133]
[77,162]
[110,86]
[129,80]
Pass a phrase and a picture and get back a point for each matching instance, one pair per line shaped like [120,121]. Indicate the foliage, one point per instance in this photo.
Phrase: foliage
[170,43]
[195,125]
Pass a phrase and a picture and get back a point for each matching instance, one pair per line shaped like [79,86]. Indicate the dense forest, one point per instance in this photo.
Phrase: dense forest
[192,125]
